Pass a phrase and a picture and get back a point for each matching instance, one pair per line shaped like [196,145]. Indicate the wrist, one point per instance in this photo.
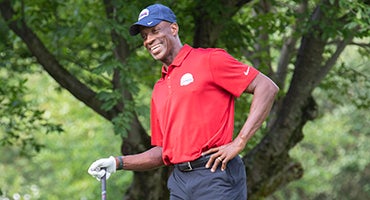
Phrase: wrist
[240,143]
[119,162]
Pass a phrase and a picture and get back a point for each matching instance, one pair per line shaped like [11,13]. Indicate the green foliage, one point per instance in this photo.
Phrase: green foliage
[359,17]
[123,120]
[142,100]
[334,154]
[59,170]
[349,82]
[110,99]
[20,117]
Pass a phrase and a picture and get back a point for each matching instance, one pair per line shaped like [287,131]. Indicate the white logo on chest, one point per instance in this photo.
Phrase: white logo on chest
[186,79]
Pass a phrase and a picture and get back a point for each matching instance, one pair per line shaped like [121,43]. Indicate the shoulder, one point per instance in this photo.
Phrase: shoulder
[209,50]
[214,54]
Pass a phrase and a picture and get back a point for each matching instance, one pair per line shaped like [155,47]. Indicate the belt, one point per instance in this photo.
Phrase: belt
[191,165]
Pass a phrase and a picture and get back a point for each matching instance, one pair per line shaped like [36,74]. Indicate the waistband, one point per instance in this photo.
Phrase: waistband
[191,165]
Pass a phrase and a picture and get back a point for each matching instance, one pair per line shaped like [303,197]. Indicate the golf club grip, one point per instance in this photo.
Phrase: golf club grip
[104,186]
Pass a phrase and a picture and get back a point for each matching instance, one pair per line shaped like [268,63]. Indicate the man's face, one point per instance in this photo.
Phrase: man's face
[158,40]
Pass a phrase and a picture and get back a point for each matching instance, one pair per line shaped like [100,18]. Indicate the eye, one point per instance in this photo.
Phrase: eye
[155,30]
[144,36]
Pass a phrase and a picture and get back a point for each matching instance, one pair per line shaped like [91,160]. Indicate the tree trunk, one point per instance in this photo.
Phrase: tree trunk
[268,164]
[150,185]
[210,20]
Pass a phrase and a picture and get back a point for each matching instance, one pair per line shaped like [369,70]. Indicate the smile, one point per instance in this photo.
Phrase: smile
[154,47]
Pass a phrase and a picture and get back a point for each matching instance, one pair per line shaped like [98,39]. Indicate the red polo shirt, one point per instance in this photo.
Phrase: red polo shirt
[192,107]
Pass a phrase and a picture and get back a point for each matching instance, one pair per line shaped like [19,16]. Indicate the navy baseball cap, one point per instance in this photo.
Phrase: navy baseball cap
[151,16]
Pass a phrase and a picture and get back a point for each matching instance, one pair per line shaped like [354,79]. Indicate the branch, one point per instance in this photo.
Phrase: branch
[287,49]
[50,63]
[121,50]
[138,139]
[241,3]
[289,172]
[363,45]
[333,59]
[360,44]
[262,46]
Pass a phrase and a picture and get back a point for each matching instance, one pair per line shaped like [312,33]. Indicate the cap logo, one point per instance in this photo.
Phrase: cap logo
[143,13]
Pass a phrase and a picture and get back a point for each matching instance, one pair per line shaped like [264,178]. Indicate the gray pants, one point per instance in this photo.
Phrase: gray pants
[202,184]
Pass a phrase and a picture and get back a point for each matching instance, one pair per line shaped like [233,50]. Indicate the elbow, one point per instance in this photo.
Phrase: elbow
[273,89]
[263,85]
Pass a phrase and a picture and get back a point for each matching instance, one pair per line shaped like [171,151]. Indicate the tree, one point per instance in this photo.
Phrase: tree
[86,48]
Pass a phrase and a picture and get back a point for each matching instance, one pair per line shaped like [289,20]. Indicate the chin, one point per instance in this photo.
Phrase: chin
[157,57]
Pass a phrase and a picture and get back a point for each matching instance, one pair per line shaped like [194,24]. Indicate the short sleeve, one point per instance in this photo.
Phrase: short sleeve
[229,73]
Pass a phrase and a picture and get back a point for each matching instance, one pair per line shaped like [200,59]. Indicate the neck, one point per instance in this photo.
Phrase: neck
[169,59]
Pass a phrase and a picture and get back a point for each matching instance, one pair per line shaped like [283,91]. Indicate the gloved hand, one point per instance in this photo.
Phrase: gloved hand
[96,168]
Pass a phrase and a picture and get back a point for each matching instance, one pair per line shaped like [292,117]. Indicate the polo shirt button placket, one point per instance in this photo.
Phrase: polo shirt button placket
[169,84]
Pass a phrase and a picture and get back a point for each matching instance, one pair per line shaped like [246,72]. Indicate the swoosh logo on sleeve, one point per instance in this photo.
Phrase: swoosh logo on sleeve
[247,71]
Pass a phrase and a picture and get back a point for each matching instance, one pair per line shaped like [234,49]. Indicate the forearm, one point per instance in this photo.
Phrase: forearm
[263,99]
[147,160]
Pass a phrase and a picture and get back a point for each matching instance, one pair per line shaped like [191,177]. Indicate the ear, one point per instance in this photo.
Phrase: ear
[174,28]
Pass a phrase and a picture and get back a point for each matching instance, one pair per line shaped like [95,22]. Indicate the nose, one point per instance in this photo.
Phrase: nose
[148,40]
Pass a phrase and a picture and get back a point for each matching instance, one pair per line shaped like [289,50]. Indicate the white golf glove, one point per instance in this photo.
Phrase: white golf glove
[96,168]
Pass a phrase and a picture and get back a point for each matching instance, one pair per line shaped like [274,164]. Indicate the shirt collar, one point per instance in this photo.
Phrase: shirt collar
[180,57]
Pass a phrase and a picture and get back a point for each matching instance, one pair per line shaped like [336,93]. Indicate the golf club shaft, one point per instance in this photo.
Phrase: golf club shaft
[104,186]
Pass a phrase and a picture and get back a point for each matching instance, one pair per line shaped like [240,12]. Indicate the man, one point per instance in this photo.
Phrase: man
[192,114]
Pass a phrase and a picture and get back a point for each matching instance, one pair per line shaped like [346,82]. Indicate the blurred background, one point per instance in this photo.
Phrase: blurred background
[49,137]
